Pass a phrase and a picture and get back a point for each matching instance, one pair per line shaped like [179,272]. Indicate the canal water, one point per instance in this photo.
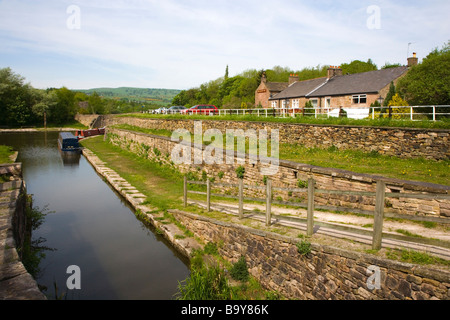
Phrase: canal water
[90,226]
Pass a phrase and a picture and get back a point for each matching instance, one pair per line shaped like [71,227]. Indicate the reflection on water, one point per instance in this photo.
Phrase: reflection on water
[70,159]
[92,227]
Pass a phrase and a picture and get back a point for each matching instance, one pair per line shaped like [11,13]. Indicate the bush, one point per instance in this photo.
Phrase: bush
[240,171]
[240,270]
[304,247]
[205,284]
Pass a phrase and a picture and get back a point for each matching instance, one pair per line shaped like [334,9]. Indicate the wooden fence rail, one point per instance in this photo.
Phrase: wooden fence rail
[378,214]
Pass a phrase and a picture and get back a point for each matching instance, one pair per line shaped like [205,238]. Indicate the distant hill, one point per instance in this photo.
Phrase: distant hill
[158,96]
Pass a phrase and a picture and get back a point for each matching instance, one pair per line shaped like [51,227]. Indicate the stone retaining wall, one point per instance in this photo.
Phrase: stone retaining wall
[288,176]
[400,142]
[325,273]
[15,282]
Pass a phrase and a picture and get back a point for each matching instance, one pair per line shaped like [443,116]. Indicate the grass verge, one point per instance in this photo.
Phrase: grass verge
[5,153]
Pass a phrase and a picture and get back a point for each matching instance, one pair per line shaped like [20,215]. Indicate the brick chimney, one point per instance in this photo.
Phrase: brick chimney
[293,78]
[334,72]
[264,77]
[413,61]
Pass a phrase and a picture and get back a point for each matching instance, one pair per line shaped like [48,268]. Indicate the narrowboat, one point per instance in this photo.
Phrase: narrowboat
[68,142]
[81,134]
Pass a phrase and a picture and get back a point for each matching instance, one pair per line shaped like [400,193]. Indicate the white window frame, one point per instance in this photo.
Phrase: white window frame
[274,104]
[358,98]
[296,104]
[328,103]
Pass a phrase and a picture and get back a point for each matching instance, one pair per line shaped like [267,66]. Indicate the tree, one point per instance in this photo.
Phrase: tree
[428,83]
[45,102]
[96,104]
[358,66]
[64,109]
[16,99]
[226,74]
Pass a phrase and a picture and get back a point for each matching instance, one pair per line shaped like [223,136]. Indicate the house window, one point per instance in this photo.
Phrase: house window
[295,104]
[327,103]
[274,104]
[315,103]
[284,104]
[358,99]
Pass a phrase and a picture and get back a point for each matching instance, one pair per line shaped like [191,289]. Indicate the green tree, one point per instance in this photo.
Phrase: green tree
[45,102]
[358,66]
[16,99]
[65,108]
[226,74]
[96,104]
[428,83]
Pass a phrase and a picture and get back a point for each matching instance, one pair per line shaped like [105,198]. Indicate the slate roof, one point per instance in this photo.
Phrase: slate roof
[300,88]
[276,86]
[367,82]
[359,83]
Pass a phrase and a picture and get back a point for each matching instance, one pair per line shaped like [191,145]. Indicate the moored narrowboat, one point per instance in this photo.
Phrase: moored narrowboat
[81,134]
[68,142]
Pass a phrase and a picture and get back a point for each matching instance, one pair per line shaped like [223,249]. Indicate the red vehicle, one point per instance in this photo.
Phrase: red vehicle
[205,109]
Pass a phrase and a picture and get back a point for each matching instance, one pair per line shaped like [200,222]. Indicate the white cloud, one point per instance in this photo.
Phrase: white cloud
[181,44]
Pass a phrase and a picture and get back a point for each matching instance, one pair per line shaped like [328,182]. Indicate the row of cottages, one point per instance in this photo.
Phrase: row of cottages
[351,91]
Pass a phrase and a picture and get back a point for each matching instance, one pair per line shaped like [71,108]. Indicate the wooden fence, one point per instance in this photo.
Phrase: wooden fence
[378,214]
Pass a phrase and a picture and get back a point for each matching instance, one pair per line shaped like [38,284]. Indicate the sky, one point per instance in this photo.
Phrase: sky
[181,44]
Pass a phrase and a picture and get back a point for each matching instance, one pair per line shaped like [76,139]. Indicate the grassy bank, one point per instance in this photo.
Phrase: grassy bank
[352,160]
[5,153]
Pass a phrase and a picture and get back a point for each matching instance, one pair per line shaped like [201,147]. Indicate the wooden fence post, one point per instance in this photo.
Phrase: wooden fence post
[310,217]
[269,202]
[208,195]
[379,215]
[241,198]
[185,192]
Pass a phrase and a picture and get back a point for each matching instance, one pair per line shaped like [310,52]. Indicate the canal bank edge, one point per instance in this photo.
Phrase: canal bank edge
[136,199]
[325,273]
[15,282]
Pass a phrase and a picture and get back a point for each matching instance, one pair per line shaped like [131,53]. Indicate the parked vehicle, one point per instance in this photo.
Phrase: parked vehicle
[175,109]
[204,109]
[161,110]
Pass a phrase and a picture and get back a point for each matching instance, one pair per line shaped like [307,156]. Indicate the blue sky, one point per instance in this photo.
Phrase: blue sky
[180,44]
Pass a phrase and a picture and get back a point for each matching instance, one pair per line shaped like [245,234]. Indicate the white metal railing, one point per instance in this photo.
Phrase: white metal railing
[414,113]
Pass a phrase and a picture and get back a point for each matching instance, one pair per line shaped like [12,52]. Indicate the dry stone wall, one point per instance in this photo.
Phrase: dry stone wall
[325,273]
[400,142]
[15,282]
[288,176]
